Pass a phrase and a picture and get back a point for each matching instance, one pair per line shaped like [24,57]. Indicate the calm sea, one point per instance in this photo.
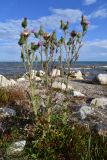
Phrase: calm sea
[17,68]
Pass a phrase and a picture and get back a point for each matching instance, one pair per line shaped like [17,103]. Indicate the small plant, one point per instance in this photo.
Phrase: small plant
[72,42]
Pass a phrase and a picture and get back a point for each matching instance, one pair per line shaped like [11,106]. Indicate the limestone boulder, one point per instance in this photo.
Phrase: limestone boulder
[99,102]
[55,73]
[4,82]
[62,86]
[16,147]
[102,78]
[77,75]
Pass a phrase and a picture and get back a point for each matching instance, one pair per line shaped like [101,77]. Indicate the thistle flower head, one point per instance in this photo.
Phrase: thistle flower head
[33,31]
[46,36]
[39,43]
[25,33]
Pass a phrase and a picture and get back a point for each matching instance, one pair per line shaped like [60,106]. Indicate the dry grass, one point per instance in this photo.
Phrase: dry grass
[12,96]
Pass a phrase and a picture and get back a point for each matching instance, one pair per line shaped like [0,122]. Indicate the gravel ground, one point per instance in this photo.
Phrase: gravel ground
[89,89]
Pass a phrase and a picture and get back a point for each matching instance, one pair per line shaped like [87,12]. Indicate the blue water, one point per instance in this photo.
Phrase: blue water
[16,68]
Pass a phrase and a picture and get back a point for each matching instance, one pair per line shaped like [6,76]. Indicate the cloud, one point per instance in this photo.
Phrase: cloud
[10,31]
[9,52]
[92,27]
[89,2]
[52,21]
[100,13]
[94,50]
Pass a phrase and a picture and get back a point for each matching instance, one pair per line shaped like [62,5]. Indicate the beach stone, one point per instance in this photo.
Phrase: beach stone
[55,73]
[37,79]
[102,78]
[22,79]
[7,112]
[59,97]
[101,129]
[62,86]
[16,147]
[40,73]
[77,75]
[99,102]
[12,82]
[85,111]
[77,94]
[4,82]
[33,74]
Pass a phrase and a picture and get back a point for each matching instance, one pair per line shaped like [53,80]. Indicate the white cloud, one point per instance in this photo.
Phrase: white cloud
[100,13]
[10,31]
[89,2]
[52,21]
[92,26]
[94,50]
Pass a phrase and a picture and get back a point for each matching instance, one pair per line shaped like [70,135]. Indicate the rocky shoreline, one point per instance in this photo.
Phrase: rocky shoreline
[86,100]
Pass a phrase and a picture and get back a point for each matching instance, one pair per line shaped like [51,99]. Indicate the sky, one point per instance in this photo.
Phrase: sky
[49,13]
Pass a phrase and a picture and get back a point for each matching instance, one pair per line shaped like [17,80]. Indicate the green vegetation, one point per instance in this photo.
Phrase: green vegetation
[48,131]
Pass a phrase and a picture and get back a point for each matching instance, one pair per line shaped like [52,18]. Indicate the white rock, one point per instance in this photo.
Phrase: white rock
[22,79]
[102,78]
[7,112]
[70,87]
[77,94]
[85,111]
[16,147]
[55,73]
[41,73]
[62,86]
[12,82]
[99,102]
[37,79]
[77,75]
[33,74]
[59,85]
[4,82]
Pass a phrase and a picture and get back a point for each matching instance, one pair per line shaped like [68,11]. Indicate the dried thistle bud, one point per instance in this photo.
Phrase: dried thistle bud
[46,36]
[24,23]
[73,33]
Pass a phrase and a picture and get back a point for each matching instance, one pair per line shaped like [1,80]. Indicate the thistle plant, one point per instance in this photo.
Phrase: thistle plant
[72,42]
[28,50]
[45,47]
[48,44]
